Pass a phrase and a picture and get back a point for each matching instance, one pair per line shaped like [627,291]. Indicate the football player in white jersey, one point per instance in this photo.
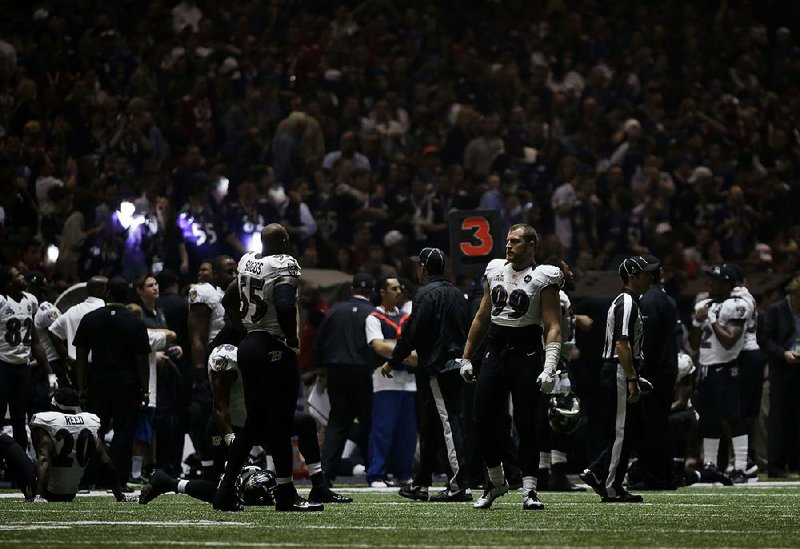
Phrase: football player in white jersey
[18,340]
[718,335]
[751,365]
[520,309]
[263,302]
[66,441]
[206,320]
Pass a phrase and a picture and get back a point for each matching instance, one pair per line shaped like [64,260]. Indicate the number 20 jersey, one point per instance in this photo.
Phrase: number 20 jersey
[16,323]
[74,437]
[257,277]
[516,295]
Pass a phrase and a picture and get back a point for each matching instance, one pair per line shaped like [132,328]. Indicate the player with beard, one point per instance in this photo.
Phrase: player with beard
[520,309]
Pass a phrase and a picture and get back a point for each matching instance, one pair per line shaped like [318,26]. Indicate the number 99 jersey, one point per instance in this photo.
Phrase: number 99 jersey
[75,438]
[516,295]
[257,278]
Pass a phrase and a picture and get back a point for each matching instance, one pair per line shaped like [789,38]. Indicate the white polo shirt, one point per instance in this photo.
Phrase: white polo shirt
[67,324]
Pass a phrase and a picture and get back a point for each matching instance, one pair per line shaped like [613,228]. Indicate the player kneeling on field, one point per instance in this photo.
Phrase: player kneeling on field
[66,441]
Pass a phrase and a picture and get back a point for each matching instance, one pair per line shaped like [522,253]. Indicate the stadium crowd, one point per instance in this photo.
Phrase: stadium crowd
[153,144]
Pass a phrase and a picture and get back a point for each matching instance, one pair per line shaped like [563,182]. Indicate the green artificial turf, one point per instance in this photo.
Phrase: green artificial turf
[693,517]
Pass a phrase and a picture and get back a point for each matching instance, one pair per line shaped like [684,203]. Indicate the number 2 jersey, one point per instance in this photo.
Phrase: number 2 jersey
[731,312]
[258,276]
[75,439]
[16,323]
[516,295]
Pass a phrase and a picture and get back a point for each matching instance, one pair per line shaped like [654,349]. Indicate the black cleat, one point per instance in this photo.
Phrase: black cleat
[299,505]
[624,497]
[711,473]
[593,482]
[531,501]
[160,483]
[452,495]
[226,499]
[738,476]
[326,495]
[418,493]
[557,481]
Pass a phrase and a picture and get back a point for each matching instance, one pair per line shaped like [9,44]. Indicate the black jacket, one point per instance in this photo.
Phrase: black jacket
[342,336]
[660,322]
[777,330]
[437,328]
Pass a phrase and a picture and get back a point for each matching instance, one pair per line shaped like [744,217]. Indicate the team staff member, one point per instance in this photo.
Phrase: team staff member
[621,383]
[393,439]
[662,332]
[718,335]
[780,340]
[342,348]
[520,309]
[118,380]
[263,302]
[437,329]
[18,341]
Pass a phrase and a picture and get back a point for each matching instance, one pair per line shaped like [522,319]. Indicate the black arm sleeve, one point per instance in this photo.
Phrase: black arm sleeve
[286,310]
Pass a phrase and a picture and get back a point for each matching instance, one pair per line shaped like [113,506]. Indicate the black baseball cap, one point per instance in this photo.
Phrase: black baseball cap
[724,272]
[363,281]
[432,259]
[638,264]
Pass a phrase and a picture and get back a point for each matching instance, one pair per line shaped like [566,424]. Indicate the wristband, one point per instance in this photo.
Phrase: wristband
[552,353]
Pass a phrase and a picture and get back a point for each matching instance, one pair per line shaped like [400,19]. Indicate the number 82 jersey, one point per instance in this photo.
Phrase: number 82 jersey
[257,278]
[516,295]
[16,323]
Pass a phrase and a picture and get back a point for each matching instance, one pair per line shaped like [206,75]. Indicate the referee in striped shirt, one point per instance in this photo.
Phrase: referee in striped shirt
[620,383]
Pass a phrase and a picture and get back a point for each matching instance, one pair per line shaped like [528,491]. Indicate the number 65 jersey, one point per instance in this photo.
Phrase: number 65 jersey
[516,295]
[75,439]
[257,277]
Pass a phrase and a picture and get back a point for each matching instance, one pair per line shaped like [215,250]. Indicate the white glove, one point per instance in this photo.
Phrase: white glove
[229,438]
[52,380]
[466,369]
[712,317]
[546,381]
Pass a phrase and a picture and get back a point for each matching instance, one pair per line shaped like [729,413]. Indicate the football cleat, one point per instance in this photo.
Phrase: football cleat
[326,495]
[738,477]
[531,501]
[418,493]
[557,481]
[490,493]
[452,495]
[752,469]
[227,499]
[298,505]
[160,483]
[711,473]
[593,482]
[623,497]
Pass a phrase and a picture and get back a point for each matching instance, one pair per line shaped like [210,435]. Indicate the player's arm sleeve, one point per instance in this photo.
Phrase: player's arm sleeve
[286,311]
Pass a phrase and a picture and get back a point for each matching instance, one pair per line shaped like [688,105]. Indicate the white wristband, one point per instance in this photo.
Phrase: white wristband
[552,352]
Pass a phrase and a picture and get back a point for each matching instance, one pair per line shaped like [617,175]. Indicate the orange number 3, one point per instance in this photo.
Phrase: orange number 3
[480,232]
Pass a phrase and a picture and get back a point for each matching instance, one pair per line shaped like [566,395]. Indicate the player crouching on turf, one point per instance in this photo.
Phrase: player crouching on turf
[230,416]
[66,441]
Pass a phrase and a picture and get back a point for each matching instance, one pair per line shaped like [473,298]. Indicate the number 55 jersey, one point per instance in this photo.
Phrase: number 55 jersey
[257,277]
[75,438]
[516,295]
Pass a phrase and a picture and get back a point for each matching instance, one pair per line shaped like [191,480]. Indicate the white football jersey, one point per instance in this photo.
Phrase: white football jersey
[257,278]
[16,323]
[751,326]
[75,439]
[567,325]
[211,296]
[46,314]
[732,311]
[224,359]
[516,294]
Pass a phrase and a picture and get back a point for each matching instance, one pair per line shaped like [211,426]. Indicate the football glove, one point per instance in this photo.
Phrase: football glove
[466,370]
[52,380]
[712,317]
[546,381]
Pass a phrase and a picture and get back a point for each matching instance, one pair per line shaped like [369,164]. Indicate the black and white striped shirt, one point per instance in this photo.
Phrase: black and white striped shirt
[624,321]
